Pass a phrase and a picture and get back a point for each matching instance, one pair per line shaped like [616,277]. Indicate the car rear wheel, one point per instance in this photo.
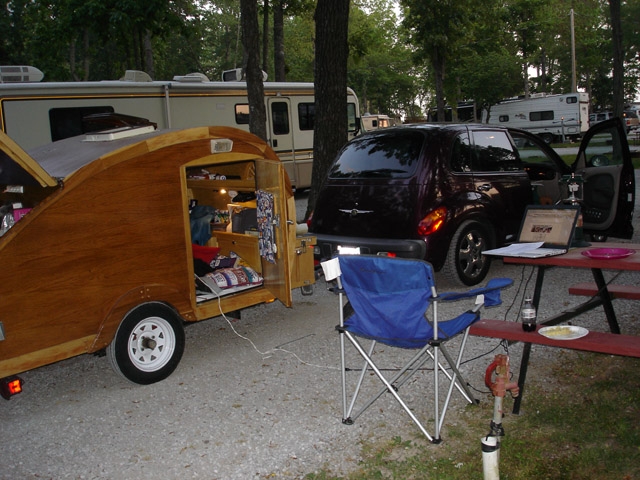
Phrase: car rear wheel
[465,263]
[148,344]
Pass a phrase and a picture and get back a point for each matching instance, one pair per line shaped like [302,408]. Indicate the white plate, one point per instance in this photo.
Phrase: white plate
[563,332]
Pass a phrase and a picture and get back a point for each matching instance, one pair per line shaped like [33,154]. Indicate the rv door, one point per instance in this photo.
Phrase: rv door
[281,133]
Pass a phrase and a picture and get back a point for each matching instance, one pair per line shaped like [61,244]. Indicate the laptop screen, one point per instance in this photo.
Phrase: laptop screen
[553,225]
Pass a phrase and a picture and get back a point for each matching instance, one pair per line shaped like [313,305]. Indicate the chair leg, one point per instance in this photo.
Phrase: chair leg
[456,379]
[348,419]
[388,386]
[344,378]
[411,367]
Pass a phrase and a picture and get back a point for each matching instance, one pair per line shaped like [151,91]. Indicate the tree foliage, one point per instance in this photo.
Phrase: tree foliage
[401,60]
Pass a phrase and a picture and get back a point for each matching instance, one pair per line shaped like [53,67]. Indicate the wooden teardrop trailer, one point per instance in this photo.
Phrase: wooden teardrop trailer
[103,257]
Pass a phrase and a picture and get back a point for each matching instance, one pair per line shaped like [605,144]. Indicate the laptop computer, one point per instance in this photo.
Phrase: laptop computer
[546,231]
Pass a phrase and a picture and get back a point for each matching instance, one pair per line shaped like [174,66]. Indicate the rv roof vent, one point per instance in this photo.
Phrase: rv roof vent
[19,73]
[136,76]
[191,77]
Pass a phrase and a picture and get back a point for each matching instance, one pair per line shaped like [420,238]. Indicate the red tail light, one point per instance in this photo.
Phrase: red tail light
[432,222]
[10,386]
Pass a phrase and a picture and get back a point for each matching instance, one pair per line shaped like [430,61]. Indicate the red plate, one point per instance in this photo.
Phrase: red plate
[608,253]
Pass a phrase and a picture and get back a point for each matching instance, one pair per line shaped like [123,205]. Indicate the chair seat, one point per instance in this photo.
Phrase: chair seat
[447,329]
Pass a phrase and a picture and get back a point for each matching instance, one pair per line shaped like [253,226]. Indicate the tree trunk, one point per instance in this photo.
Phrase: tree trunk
[85,54]
[148,55]
[253,72]
[438,68]
[618,58]
[330,129]
[278,41]
[265,36]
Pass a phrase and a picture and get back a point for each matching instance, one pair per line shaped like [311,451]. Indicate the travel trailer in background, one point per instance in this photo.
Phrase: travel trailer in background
[34,114]
[553,117]
[372,122]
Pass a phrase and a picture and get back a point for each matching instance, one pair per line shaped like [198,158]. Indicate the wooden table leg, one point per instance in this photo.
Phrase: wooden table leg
[605,297]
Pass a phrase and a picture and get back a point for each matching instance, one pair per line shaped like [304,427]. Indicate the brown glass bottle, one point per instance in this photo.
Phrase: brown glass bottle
[528,316]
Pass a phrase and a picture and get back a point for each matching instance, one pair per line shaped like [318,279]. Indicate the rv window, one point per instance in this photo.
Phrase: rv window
[306,115]
[540,116]
[242,114]
[67,122]
[280,116]
[572,99]
[493,152]
[503,118]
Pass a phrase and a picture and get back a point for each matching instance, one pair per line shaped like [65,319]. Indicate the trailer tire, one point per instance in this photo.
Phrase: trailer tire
[148,345]
[547,138]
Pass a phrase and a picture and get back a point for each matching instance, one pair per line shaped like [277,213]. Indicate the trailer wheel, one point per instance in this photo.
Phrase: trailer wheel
[547,138]
[148,344]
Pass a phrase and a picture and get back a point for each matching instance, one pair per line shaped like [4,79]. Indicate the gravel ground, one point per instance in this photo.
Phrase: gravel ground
[252,398]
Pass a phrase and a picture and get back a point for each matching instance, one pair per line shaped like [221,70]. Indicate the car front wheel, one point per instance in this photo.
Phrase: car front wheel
[465,262]
[148,344]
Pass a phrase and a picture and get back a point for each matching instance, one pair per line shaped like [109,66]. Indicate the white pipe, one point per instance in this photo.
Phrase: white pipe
[491,458]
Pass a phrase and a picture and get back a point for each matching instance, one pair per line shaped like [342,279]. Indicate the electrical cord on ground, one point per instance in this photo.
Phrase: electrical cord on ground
[268,353]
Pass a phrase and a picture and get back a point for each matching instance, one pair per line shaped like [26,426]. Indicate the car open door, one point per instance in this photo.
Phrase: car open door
[604,166]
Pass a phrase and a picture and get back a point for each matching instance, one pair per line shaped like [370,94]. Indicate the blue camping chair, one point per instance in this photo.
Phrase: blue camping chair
[388,299]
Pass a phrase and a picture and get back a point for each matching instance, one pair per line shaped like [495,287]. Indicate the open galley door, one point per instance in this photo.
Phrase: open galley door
[272,192]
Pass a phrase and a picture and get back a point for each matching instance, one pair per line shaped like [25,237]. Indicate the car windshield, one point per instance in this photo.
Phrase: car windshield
[392,155]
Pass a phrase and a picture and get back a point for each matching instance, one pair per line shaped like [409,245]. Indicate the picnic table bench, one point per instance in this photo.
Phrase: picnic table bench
[599,342]
[589,289]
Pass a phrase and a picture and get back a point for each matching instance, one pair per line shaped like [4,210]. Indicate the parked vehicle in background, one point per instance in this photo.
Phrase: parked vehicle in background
[447,192]
[631,119]
[34,114]
[550,116]
[599,117]
[372,122]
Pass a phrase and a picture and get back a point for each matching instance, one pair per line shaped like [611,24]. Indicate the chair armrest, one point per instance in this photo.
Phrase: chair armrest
[491,292]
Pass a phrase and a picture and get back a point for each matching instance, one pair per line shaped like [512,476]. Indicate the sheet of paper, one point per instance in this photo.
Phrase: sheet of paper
[514,248]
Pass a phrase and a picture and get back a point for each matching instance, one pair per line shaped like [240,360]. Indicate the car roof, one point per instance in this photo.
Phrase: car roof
[431,127]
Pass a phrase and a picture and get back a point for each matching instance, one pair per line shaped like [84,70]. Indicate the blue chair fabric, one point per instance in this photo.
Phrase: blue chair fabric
[390,299]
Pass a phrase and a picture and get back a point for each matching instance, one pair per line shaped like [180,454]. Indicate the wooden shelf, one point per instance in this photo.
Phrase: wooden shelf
[217,184]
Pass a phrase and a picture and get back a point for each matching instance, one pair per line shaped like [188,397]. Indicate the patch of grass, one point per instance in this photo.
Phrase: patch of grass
[579,420]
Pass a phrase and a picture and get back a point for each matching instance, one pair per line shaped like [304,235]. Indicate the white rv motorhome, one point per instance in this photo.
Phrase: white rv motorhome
[550,116]
[37,113]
